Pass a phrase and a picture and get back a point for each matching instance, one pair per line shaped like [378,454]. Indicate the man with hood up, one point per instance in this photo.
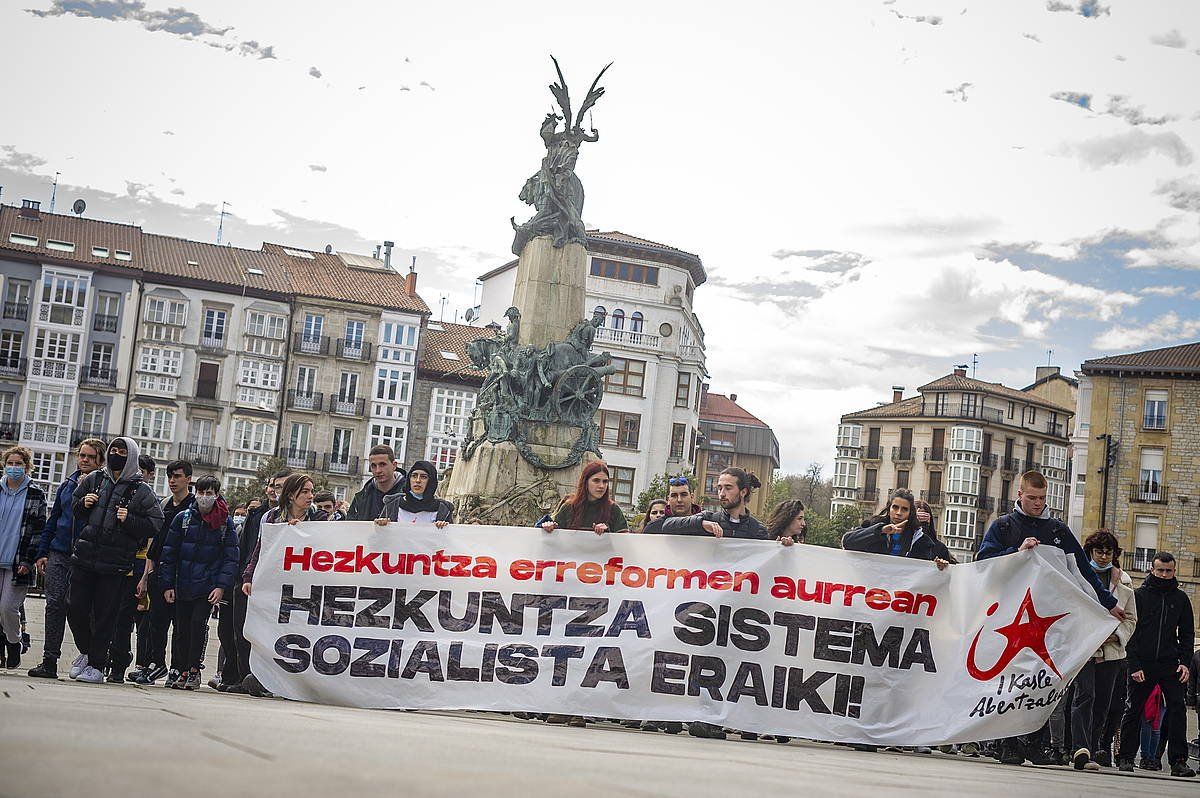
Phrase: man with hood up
[416,503]
[120,513]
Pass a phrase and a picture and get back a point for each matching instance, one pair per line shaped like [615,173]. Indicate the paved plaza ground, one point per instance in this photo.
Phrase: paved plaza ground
[104,741]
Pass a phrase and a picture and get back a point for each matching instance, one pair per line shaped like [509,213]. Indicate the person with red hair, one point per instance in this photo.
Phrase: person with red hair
[591,506]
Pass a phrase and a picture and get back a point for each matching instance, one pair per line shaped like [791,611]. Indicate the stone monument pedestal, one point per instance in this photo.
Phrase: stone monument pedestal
[550,290]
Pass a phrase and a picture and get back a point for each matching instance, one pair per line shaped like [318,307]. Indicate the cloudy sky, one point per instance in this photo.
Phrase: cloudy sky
[879,190]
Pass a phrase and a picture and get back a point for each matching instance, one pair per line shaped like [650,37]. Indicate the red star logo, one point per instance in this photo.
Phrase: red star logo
[1028,634]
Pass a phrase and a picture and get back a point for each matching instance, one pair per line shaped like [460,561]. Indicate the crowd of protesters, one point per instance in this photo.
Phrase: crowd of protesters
[114,558]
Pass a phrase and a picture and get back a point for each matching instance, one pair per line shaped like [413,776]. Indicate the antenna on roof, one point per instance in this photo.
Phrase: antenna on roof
[445,300]
[1049,355]
[974,363]
[54,191]
[79,207]
[221,223]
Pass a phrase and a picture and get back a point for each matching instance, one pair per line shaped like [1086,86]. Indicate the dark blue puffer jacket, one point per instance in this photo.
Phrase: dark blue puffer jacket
[61,530]
[197,558]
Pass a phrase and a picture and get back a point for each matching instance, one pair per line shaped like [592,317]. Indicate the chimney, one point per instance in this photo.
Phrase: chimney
[703,391]
[959,371]
[31,209]
[410,279]
[1046,371]
[377,248]
[733,397]
[387,253]
[897,393]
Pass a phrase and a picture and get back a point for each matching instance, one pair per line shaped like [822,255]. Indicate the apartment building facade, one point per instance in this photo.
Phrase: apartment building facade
[642,292]
[961,444]
[732,436]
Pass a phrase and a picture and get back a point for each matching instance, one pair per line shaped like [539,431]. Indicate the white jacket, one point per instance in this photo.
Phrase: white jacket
[1112,651]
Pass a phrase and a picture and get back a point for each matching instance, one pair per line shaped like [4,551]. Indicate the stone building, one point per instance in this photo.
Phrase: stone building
[642,292]
[447,387]
[961,444]
[733,436]
[1142,459]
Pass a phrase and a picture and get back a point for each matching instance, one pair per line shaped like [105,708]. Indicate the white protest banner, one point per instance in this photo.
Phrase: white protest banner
[802,641]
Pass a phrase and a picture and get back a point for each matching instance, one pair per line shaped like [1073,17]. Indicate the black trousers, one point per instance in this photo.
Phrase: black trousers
[1093,696]
[230,626]
[191,633]
[1116,708]
[92,606]
[120,653]
[1163,675]
[162,615]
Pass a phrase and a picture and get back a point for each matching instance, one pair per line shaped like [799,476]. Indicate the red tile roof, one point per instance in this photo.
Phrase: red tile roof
[441,337]
[327,276]
[1183,360]
[230,266]
[721,409]
[957,382]
[905,408]
[83,233]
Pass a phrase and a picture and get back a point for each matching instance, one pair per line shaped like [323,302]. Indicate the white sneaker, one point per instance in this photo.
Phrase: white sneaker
[77,666]
[91,675]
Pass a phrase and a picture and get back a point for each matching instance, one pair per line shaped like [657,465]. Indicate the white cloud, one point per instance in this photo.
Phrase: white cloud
[1130,147]
[1172,38]
[1162,290]
[1167,328]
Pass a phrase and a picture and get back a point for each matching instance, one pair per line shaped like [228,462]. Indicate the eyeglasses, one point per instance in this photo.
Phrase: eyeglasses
[673,481]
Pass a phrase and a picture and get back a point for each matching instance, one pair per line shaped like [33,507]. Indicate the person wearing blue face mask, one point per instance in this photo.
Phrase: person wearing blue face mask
[22,518]
[416,503]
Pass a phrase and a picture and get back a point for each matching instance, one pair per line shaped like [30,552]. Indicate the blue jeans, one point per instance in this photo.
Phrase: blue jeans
[1150,737]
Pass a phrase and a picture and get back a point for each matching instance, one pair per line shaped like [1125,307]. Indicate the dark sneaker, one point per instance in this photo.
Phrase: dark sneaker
[191,681]
[154,674]
[577,721]
[1182,769]
[749,736]
[215,682]
[1081,758]
[1125,765]
[254,687]
[14,655]
[136,672]
[706,730]
[1103,759]
[173,679]
[24,642]
[779,738]
[116,677]
[47,670]
[1011,753]
[1149,764]
[1047,756]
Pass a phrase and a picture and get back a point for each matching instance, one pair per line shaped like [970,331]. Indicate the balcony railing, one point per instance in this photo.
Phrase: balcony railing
[691,351]
[903,454]
[78,435]
[209,343]
[206,389]
[299,458]
[98,377]
[628,338]
[347,406]
[16,310]
[986,503]
[935,455]
[873,452]
[1055,428]
[44,433]
[988,460]
[1011,464]
[200,454]
[102,322]
[932,496]
[8,430]
[310,344]
[1138,560]
[13,367]
[338,463]
[53,369]
[1148,493]
[868,494]
[305,400]
[1149,420]
[353,350]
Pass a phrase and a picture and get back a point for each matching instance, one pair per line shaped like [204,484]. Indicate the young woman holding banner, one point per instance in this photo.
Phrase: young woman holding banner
[897,531]
[591,506]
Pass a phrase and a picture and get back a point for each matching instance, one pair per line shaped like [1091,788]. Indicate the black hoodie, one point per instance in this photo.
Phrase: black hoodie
[1164,634]
[107,545]
[405,507]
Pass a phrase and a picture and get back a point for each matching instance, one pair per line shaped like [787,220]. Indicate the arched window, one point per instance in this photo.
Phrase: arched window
[636,321]
[600,313]
[618,319]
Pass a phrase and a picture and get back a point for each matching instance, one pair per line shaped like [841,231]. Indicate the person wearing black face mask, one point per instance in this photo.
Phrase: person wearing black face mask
[1160,653]
[121,513]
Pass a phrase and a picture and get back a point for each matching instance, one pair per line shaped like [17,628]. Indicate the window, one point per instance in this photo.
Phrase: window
[16,292]
[1145,541]
[48,406]
[200,432]
[845,474]
[940,403]
[314,327]
[348,387]
[1155,411]
[390,434]
[629,272]
[264,325]
[152,423]
[253,436]
[450,412]
[299,438]
[1056,495]
[963,478]
[208,378]
[306,380]
[60,246]
[8,407]
[600,313]
[1030,415]
[399,334]
[354,332]
[108,304]
[696,395]
[620,429]
[1012,409]
[901,478]
[49,469]
[393,385]
[260,374]
[628,378]
[850,436]
[621,484]
[1150,475]
[959,523]
[636,322]
[166,311]
[718,462]
[100,363]
[1080,480]
[726,438]
[683,386]
[341,445]
[158,360]
[678,435]
[618,319]
[23,240]
[57,346]
[10,348]
[1054,457]
[63,294]
[969,404]
[968,439]
[91,417]
[214,326]
[99,252]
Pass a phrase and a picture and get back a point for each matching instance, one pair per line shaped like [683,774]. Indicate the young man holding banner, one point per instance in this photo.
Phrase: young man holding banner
[1027,526]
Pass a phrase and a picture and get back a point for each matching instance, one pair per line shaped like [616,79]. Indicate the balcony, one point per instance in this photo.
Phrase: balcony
[988,461]
[348,406]
[640,340]
[935,455]
[1139,560]
[868,495]
[211,344]
[44,433]
[874,452]
[691,352]
[353,350]
[1012,464]
[903,454]
[99,377]
[986,503]
[78,435]
[299,458]
[310,344]
[13,367]
[1056,429]
[305,400]
[199,454]
[934,497]
[53,369]
[1151,421]
[338,463]
[1148,493]
[104,323]
[16,310]
[8,430]
[60,314]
